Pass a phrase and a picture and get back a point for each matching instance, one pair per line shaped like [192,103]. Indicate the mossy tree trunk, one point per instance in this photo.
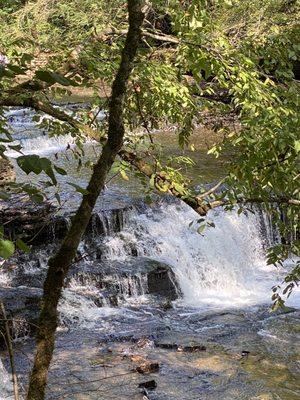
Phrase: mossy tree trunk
[60,263]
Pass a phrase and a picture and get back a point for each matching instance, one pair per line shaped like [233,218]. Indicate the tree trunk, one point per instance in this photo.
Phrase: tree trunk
[60,263]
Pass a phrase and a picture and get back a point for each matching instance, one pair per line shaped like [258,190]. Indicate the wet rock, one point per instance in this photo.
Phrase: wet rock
[119,280]
[176,341]
[166,305]
[191,348]
[150,385]
[166,345]
[22,307]
[145,343]
[39,223]
[34,223]
[161,280]
[7,172]
[245,353]
[107,222]
[148,368]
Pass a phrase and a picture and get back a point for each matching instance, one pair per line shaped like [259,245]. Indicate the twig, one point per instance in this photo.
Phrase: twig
[211,190]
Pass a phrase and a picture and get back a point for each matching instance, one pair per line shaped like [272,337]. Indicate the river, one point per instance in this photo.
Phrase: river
[147,287]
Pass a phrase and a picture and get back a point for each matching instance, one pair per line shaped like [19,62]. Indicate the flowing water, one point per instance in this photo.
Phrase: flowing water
[147,286]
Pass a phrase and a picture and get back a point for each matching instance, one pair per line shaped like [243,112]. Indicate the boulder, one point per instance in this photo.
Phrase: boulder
[161,281]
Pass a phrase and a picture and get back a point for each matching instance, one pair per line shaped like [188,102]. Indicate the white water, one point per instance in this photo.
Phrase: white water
[224,268]
[42,145]
[29,136]
[77,310]
[5,384]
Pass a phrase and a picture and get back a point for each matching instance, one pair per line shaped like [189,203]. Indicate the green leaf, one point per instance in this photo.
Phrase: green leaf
[78,188]
[37,198]
[54,77]
[60,170]
[57,196]
[30,164]
[297,146]
[16,69]
[62,80]
[47,168]
[4,195]
[34,163]
[45,76]
[7,249]
[148,199]
[22,246]
[201,229]
[124,175]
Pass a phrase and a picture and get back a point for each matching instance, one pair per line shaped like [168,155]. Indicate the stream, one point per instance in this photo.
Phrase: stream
[147,289]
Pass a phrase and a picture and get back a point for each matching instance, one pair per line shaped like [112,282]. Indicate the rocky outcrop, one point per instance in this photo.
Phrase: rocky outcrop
[33,223]
[7,172]
[107,283]
[40,223]
[120,280]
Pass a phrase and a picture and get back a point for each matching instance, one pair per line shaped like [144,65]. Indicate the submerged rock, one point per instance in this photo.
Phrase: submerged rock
[176,341]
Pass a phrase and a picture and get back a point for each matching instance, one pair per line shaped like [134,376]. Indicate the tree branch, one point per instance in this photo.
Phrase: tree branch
[198,203]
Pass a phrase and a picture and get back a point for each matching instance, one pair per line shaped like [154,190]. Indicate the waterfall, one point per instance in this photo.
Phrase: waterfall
[42,145]
[35,140]
[226,266]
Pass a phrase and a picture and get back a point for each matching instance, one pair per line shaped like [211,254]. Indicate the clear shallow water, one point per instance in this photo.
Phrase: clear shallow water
[225,296]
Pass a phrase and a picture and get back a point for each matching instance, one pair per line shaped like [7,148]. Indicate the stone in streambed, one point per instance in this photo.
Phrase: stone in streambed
[148,367]
[192,348]
[161,281]
[150,385]
[179,342]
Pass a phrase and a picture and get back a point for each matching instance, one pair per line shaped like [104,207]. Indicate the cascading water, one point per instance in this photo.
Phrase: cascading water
[27,134]
[224,267]
[109,290]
